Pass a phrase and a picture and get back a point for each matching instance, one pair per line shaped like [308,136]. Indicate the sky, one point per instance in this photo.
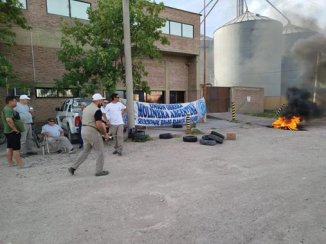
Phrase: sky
[305,13]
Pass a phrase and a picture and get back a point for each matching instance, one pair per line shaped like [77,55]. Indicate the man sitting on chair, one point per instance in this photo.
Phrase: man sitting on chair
[55,133]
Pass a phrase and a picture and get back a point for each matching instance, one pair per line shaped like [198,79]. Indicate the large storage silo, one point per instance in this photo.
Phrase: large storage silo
[292,73]
[247,52]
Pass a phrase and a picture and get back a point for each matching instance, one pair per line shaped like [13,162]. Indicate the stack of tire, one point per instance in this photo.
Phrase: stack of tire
[212,139]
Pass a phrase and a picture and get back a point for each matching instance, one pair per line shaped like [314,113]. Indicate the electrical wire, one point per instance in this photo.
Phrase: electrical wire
[206,6]
[209,11]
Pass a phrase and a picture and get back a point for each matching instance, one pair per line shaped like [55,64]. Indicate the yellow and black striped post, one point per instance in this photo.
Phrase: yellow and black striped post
[280,110]
[233,111]
[188,125]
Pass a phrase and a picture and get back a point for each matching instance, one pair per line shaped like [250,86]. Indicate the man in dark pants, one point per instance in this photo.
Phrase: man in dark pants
[12,126]
[92,131]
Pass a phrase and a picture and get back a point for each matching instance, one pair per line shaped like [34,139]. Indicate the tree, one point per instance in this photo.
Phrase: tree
[10,15]
[93,52]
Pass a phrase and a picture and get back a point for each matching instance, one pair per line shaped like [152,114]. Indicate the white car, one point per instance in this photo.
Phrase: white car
[68,116]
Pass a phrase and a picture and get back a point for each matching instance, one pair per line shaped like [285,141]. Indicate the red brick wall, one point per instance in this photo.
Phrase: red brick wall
[176,71]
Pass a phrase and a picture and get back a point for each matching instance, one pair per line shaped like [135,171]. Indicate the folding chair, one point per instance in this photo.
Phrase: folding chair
[51,146]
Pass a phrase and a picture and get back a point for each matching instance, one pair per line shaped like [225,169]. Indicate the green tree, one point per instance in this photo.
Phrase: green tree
[10,15]
[93,52]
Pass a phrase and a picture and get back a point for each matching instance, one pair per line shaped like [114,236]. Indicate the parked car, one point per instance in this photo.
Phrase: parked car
[68,116]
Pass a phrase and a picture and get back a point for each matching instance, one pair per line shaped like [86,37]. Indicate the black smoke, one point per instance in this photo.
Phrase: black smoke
[300,104]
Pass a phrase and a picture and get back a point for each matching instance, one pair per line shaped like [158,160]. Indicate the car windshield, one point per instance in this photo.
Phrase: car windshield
[77,102]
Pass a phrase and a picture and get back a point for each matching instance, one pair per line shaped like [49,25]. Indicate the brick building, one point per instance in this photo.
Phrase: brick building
[174,78]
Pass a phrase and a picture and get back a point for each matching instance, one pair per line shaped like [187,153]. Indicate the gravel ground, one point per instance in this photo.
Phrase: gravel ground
[268,186]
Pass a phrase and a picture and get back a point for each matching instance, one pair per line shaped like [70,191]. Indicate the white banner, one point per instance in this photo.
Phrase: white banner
[155,114]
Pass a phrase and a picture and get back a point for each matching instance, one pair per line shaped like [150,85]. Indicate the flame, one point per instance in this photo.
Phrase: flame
[287,123]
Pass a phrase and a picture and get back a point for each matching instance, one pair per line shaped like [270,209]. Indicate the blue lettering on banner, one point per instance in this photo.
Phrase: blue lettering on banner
[168,114]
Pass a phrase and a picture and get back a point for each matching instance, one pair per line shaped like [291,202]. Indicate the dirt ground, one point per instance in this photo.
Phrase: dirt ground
[268,186]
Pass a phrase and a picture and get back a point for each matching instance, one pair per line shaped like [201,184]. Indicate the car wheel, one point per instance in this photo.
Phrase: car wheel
[190,139]
[69,135]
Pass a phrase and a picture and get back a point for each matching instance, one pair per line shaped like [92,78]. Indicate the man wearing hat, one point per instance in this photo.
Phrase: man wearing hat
[26,117]
[92,132]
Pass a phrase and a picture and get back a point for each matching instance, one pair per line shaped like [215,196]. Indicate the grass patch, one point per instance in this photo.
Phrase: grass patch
[195,131]
[145,139]
[265,114]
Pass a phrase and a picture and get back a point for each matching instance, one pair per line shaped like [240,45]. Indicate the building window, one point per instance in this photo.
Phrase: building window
[177,96]
[178,29]
[175,28]
[69,8]
[23,3]
[166,28]
[79,9]
[53,93]
[187,31]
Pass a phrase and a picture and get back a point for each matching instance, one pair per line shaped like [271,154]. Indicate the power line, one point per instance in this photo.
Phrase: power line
[209,11]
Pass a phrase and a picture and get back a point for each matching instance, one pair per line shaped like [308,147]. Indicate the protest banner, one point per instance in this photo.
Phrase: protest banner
[154,114]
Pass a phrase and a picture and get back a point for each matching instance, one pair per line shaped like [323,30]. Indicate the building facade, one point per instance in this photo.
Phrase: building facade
[173,78]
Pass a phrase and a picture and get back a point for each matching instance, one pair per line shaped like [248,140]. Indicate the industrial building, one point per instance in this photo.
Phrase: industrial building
[254,52]
[174,78]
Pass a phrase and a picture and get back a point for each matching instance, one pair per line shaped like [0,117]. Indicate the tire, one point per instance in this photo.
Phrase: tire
[139,136]
[216,138]
[177,126]
[69,135]
[206,137]
[190,139]
[166,136]
[217,134]
[207,142]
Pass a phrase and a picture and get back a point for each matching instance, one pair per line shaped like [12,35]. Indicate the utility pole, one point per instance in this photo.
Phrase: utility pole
[316,76]
[204,87]
[128,65]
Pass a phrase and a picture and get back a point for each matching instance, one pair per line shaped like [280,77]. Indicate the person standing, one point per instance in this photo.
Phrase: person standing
[92,131]
[12,127]
[114,111]
[80,114]
[26,117]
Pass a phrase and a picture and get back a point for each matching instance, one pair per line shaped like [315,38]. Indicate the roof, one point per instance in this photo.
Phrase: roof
[246,16]
[290,28]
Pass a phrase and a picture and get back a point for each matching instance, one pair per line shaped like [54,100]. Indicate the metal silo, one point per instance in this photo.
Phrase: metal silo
[292,73]
[247,52]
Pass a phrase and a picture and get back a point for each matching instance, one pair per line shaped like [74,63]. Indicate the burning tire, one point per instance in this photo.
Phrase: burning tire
[207,142]
[216,138]
[166,136]
[190,139]
[217,134]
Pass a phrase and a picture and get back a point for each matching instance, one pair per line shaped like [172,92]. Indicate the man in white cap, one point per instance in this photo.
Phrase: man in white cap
[26,117]
[93,130]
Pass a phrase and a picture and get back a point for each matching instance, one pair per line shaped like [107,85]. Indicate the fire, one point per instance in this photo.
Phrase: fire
[287,123]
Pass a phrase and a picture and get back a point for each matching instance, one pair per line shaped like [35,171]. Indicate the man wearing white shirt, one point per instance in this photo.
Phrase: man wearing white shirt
[26,117]
[114,111]
[55,133]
